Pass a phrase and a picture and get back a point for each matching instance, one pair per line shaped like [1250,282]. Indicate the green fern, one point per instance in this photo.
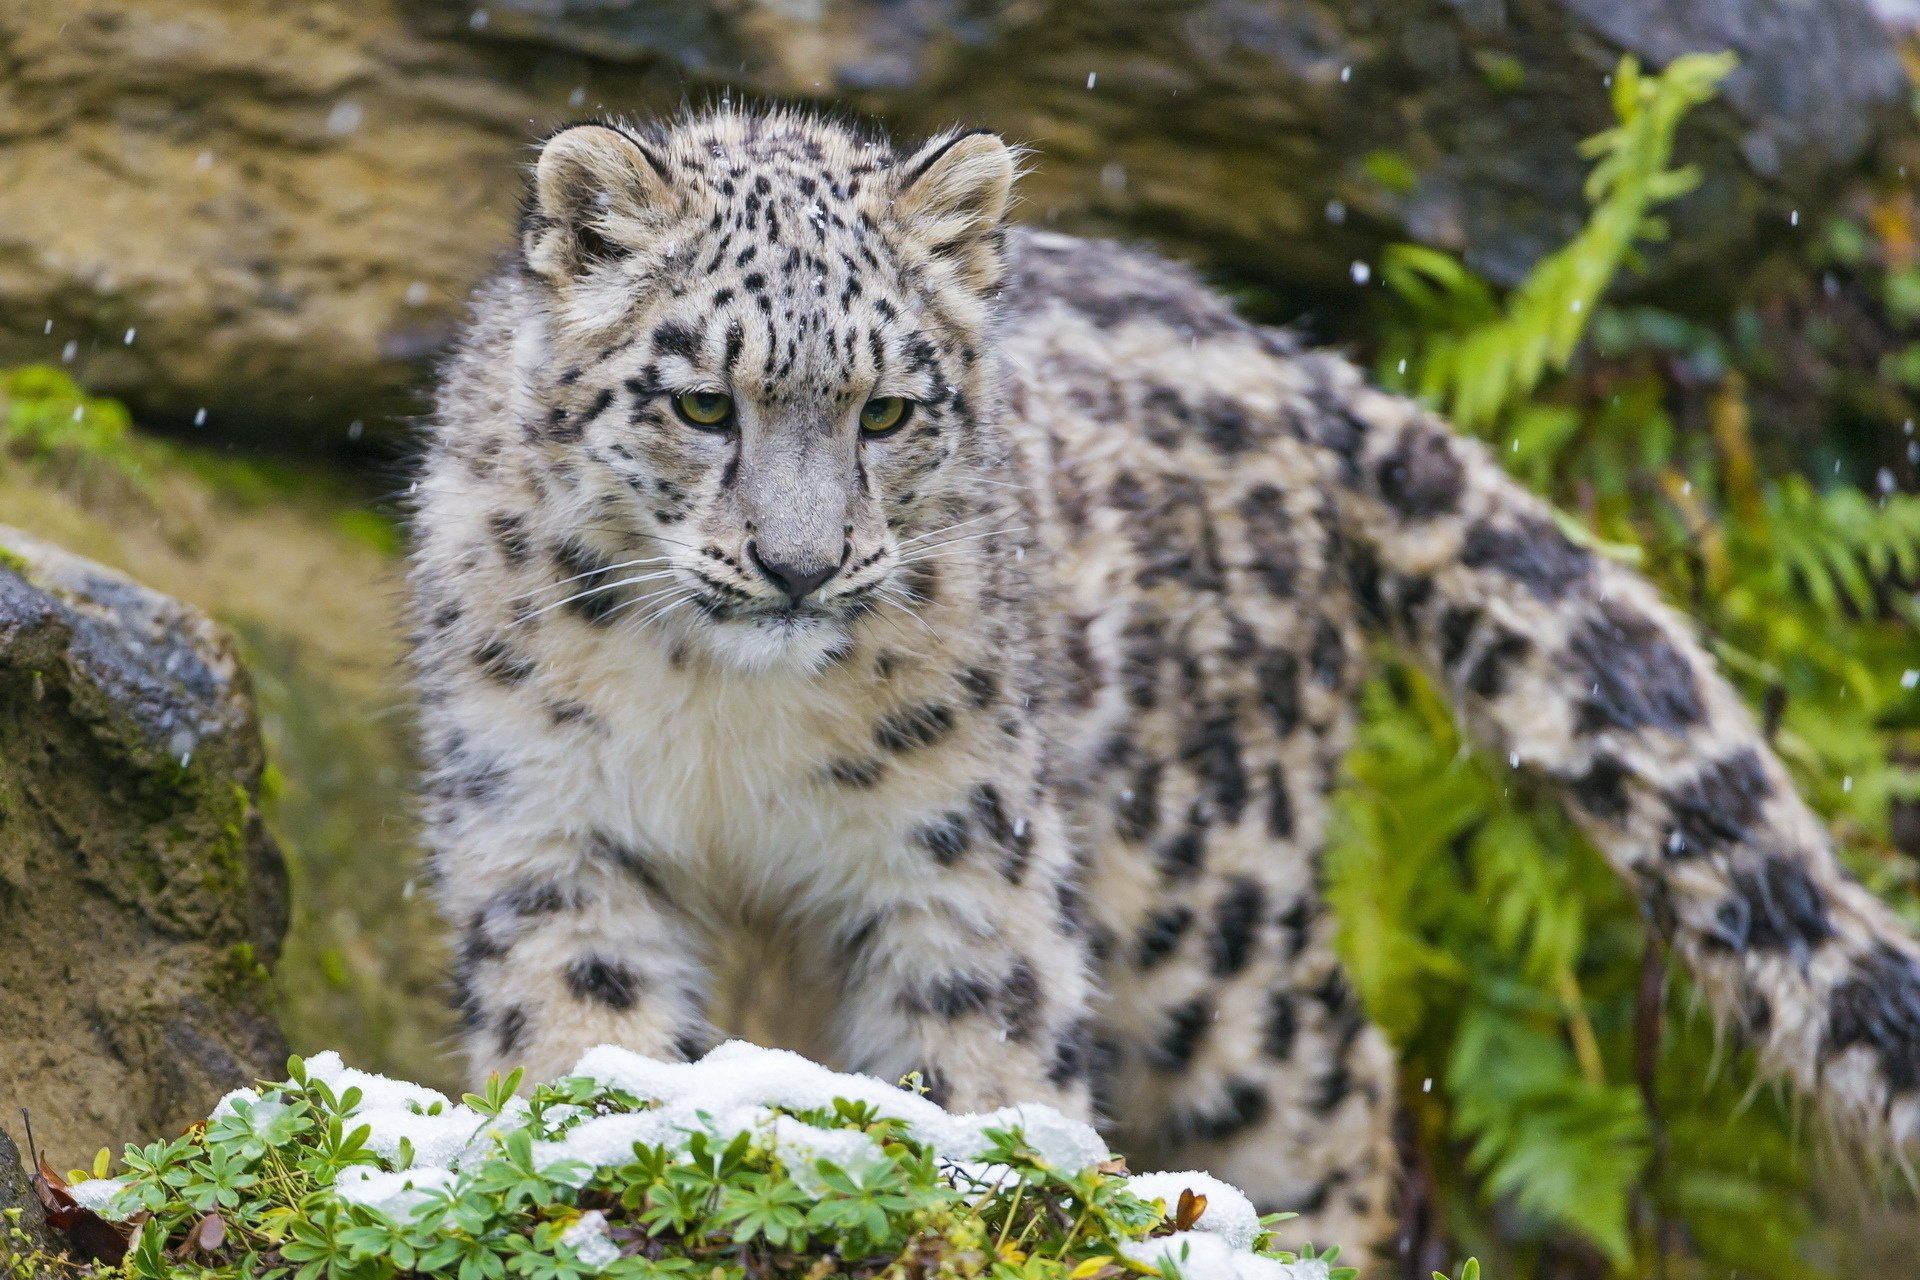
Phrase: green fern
[1480,358]
[1561,1146]
[1464,908]
[1841,546]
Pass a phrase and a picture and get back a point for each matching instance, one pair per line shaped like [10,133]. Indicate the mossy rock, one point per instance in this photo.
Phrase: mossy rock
[140,894]
[297,564]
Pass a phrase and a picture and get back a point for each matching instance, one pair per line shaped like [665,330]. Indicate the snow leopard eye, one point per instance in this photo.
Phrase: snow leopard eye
[707,410]
[884,415]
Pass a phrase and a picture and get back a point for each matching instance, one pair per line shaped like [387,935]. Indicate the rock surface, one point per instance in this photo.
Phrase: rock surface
[273,211]
[16,1193]
[139,893]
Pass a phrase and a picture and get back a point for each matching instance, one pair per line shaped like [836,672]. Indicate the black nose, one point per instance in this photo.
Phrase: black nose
[793,579]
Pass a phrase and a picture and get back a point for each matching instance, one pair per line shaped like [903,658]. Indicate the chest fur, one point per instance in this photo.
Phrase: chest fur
[747,789]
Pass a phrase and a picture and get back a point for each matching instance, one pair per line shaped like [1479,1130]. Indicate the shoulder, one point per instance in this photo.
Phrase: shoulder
[1107,283]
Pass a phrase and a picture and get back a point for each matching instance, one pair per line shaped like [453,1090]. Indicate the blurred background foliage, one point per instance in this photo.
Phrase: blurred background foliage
[1683,305]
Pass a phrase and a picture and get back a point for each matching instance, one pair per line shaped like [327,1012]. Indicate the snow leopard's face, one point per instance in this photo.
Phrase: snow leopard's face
[764,341]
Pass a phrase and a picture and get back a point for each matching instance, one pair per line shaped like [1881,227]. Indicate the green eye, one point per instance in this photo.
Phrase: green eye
[704,408]
[884,414]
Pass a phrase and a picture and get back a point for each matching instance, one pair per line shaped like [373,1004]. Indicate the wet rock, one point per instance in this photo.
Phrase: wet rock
[140,895]
[274,212]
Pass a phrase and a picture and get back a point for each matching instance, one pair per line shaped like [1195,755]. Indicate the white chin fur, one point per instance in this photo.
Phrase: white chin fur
[770,643]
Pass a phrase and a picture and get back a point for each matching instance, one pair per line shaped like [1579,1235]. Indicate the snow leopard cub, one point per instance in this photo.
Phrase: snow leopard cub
[809,567]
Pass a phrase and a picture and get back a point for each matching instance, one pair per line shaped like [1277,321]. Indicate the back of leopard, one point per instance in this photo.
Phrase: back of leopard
[975,618]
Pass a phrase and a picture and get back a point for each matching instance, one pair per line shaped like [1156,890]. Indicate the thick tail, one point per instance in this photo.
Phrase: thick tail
[1569,665]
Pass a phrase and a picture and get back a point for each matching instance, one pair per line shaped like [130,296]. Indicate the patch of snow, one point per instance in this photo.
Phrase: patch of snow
[438,1141]
[395,1194]
[1251,1266]
[801,1147]
[97,1194]
[440,1130]
[738,1074]
[1229,1214]
[225,1106]
[589,1240]
[1067,1145]
[376,1092]
[1199,1255]
[621,1069]
[606,1140]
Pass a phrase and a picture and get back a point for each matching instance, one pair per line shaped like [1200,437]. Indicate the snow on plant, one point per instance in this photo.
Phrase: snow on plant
[750,1163]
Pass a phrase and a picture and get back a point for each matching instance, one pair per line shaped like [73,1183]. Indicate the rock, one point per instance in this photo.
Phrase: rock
[289,560]
[1225,127]
[139,893]
[270,212]
[17,1198]
[274,211]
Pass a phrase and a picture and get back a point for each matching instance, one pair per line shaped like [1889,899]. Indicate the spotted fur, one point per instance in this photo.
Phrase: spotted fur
[1027,795]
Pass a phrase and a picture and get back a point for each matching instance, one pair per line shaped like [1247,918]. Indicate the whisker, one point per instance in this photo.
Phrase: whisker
[934,533]
[662,612]
[932,554]
[594,591]
[659,606]
[631,532]
[639,621]
[951,542]
[922,622]
[892,596]
[654,594]
[606,568]
[893,626]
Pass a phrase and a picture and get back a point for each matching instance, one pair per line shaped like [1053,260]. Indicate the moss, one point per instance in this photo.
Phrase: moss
[44,412]
[1500,72]
[225,855]
[372,528]
[49,422]
[249,482]
[1392,170]
[241,972]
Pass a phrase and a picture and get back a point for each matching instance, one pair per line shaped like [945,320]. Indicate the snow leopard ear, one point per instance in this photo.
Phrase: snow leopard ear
[953,195]
[597,193]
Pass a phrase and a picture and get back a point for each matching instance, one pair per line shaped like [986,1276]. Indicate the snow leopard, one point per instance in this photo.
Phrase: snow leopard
[948,634]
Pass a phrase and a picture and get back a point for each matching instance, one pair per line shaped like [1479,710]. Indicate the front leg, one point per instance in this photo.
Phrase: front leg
[967,964]
[569,944]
